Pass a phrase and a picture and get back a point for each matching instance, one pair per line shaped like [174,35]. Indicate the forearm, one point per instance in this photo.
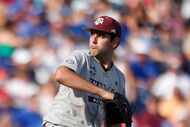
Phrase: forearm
[69,78]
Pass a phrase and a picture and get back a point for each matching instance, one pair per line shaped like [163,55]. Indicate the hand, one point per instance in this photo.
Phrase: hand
[106,95]
[118,111]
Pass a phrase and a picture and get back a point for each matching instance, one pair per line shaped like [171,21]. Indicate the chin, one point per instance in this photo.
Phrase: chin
[93,52]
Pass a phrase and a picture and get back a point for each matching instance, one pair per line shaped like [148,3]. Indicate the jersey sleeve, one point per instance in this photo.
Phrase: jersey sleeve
[75,61]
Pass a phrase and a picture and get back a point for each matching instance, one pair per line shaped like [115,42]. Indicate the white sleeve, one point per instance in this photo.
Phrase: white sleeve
[75,61]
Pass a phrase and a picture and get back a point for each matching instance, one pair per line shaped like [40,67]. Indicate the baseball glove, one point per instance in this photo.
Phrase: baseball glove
[118,111]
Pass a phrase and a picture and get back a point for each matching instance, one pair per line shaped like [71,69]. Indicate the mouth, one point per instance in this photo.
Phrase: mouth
[93,47]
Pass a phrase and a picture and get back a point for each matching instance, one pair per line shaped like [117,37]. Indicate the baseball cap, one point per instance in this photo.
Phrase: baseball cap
[106,24]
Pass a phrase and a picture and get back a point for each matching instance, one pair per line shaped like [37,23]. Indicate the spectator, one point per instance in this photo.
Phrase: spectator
[151,117]
[175,109]
[166,83]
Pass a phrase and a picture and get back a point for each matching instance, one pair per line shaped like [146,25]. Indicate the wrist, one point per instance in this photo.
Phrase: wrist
[106,95]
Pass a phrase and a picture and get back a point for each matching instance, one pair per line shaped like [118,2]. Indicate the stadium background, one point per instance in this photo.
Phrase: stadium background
[35,36]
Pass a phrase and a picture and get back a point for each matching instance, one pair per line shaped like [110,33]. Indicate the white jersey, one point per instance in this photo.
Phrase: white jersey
[74,108]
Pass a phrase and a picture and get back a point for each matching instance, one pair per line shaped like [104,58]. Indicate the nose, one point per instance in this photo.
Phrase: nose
[94,38]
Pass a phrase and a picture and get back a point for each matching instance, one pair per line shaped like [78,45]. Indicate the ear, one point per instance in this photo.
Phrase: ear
[115,42]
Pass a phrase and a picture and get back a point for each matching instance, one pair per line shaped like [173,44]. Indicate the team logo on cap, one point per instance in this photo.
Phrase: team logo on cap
[99,21]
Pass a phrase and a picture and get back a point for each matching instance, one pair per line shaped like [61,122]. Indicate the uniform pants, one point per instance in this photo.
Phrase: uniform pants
[50,124]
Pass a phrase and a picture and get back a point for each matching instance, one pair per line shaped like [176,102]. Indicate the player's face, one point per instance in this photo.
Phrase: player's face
[100,43]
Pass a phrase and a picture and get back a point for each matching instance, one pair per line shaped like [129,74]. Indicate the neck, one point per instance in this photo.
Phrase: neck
[106,62]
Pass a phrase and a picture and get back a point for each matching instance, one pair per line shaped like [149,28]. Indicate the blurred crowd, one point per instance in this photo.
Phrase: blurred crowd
[154,55]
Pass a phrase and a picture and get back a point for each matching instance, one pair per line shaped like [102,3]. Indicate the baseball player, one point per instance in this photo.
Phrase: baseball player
[86,78]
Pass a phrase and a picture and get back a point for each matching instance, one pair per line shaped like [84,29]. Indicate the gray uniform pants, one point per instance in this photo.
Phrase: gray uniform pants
[49,124]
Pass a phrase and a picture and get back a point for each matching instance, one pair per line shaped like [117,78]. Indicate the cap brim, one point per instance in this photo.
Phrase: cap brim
[91,28]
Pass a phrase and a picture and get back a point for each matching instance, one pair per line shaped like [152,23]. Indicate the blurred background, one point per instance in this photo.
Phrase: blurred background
[154,55]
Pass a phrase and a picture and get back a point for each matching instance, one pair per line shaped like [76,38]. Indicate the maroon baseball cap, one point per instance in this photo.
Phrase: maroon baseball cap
[106,24]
